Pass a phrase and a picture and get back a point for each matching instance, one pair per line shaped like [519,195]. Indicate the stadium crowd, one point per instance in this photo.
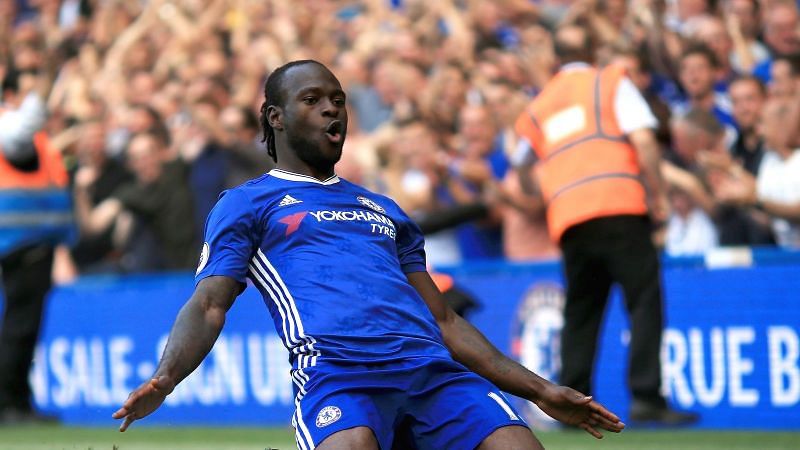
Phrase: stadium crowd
[155,106]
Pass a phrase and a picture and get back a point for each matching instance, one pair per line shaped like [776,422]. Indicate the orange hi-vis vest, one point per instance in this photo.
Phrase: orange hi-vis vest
[586,167]
[442,281]
[50,173]
[35,207]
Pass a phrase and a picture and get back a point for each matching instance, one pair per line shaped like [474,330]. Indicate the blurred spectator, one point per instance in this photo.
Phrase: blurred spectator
[96,252]
[373,104]
[697,130]
[489,27]
[699,164]
[776,189]
[198,145]
[505,102]
[411,174]
[711,31]
[682,11]
[247,158]
[150,213]
[477,165]
[743,19]
[525,235]
[785,77]
[736,225]
[524,228]
[689,229]
[781,30]
[478,140]
[698,68]
[443,97]
[748,95]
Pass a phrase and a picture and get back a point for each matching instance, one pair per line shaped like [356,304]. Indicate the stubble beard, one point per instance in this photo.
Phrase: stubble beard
[310,153]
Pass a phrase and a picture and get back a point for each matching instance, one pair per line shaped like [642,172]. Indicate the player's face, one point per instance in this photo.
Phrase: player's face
[315,118]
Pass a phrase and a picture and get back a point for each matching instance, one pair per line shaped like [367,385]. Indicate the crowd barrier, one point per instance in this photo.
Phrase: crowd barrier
[731,348]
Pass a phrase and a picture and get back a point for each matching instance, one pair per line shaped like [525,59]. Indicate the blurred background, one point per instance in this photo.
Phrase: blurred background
[165,94]
[153,106]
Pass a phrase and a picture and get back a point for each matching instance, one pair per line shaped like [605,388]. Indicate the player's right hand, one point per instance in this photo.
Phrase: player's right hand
[144,400]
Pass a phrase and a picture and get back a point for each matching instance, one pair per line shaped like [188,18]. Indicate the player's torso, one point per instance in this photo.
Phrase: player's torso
[333,221]
[329,270]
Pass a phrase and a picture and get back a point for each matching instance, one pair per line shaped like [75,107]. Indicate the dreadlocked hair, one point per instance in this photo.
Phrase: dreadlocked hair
[274,96]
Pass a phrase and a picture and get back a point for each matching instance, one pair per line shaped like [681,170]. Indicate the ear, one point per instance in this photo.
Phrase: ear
[275,117]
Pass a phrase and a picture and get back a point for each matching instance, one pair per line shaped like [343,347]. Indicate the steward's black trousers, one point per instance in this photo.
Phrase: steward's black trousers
[597,253]
[26,281]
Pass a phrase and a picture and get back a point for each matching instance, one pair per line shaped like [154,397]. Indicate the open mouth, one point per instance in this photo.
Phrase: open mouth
[334,131]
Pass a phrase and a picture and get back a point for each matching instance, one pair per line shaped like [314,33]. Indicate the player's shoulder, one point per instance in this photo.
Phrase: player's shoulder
[259,188]
[259,183]
[251,195]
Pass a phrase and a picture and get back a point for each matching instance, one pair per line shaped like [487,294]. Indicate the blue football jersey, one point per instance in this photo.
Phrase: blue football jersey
[329,258]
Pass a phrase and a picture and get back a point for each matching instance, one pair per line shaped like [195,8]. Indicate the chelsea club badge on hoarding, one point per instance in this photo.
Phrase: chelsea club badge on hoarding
[536,339]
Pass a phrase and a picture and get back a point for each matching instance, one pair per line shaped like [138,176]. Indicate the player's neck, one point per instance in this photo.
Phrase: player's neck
[289,161]
[301,168]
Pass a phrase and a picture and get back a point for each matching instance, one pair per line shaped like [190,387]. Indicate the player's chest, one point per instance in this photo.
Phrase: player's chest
[301,216]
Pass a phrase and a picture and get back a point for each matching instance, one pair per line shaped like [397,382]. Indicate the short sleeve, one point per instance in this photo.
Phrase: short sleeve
[230,238]
[523,154]
[632,111]
[410,245]
[17,127]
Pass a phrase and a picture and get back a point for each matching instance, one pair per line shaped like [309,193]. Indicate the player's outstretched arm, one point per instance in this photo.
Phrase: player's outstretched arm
[471,348]
[193,334]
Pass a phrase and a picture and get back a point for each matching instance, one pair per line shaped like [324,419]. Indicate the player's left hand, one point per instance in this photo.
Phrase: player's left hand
[573,408]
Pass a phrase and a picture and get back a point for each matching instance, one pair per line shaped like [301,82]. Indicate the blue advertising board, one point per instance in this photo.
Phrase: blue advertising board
[730,351]
[731,347]
[102,337]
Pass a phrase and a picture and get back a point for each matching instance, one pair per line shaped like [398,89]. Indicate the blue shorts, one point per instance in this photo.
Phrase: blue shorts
[421,403]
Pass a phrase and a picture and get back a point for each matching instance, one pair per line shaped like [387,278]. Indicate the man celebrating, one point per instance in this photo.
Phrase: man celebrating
[377,357]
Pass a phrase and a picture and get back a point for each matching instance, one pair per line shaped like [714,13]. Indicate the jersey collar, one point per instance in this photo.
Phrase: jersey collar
[291,176]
